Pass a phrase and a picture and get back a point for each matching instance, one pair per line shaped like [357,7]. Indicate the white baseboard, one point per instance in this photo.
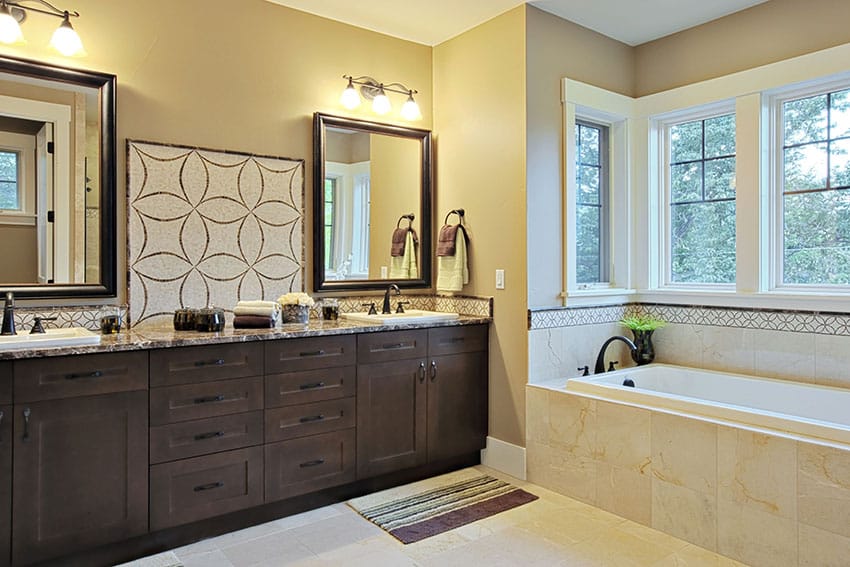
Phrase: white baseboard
[505,457]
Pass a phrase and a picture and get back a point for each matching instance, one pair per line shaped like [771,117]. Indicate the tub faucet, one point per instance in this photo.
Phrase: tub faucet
[600,360]
[386,308]
[9,315]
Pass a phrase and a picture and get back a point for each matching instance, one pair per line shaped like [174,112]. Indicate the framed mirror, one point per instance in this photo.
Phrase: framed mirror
[57,181]
[371,205]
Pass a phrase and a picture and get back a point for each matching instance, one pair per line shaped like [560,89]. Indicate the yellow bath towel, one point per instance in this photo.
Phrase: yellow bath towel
[404,267]
[453,271]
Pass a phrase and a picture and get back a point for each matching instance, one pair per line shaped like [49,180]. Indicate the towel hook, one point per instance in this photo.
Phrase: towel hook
[459,212]
[409,218]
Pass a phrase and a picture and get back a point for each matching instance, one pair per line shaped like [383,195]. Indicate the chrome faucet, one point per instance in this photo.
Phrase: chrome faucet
[385,310]
[9,315]
[600,360]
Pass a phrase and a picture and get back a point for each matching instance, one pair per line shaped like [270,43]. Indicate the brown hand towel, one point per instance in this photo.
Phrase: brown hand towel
[446,241]
[252,322]
[399,236]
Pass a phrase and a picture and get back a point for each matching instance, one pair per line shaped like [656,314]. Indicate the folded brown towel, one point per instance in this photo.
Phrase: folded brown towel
[252,322]
[399,239]
[446,241]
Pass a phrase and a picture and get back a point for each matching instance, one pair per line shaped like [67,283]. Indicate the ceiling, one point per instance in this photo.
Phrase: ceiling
[434,21]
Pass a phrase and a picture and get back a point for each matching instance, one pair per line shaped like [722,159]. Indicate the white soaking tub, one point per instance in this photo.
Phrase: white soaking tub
[796,408]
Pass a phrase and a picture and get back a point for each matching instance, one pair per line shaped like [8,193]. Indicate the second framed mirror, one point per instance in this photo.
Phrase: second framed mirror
[371,205]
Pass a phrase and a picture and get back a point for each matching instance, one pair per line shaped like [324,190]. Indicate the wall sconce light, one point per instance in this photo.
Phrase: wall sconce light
[65,40]
[375,91]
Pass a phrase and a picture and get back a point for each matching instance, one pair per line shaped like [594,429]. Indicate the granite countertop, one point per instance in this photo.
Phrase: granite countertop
[164,336]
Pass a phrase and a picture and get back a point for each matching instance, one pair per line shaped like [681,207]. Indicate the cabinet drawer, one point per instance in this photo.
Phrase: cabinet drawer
[311,386]
[5,382]
[193,489]
[395,345]
[308,464]
[309,419]
[197,401]
[204,436]
[307,354]
[454,340]
[191,365]
[83,375]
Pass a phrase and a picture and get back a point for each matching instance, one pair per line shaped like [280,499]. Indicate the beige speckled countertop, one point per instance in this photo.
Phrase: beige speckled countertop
[153,337]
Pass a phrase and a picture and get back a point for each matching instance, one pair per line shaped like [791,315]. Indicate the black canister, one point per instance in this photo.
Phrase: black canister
[210,320]
[184,319]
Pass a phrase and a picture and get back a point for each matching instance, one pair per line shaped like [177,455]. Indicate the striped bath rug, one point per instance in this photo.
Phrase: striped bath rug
[423,509]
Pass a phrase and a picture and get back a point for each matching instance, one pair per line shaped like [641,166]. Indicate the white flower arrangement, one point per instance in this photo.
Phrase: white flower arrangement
[296,298]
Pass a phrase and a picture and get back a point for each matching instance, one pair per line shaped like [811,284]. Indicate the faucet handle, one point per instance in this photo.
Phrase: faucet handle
[371,306]
[37,327]
[400,306]
[585,370]
[611,365]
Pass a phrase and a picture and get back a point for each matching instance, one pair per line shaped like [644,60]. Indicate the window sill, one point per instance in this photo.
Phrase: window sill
[18,219]
[799,301]
[598,296]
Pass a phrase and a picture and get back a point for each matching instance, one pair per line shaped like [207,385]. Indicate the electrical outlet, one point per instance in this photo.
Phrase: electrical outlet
[383,272]
[500,279]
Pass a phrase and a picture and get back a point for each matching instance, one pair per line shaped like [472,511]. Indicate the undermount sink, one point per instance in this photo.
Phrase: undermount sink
[409,316]
[70,336]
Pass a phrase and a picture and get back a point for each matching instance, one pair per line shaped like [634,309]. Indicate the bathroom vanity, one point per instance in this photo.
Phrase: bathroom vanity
[152,440]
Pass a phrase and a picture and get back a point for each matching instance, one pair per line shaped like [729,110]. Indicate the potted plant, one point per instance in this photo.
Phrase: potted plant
[296,307]
[642,327]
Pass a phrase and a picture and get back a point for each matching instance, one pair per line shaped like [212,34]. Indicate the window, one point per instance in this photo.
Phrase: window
[329,199]
[701,201]
[815,189]
[591,203]
[10,196]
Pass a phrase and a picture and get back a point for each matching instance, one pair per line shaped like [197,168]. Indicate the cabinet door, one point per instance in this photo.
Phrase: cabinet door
[5,483]
[390,416]
[457,405]
[80,474]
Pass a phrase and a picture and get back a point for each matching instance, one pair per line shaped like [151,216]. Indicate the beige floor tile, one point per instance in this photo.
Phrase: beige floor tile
[278,548]
[433,546]
[346,530]
[694,556]
[615,547]
[206,559]
[513,546]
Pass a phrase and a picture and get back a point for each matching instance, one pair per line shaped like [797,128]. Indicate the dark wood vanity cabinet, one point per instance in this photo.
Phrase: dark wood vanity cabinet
[421,397]
[80,453]
[5,462]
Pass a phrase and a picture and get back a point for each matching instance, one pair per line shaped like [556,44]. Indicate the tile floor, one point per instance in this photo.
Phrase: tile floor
[552,531]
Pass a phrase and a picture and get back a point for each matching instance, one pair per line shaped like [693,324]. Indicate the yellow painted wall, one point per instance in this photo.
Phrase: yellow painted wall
[479,120]
[766,33]
[244,76]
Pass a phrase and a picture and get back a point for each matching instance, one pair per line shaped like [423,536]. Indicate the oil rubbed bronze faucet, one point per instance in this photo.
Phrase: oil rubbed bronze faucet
[385,310]
[9,315]
[600,360]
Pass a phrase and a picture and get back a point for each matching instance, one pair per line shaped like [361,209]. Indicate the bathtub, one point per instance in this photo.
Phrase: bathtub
[795,408]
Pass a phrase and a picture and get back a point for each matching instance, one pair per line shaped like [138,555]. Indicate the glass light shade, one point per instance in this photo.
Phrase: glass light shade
[10,30]
[410,110]
[381,103]
[66,41]
[350,97]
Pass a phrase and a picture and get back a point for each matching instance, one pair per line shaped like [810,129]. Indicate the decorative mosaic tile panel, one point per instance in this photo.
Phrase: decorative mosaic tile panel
[208,228]
[745,318]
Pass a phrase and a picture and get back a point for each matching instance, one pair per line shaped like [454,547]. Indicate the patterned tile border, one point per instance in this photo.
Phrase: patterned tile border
[465,305]
[822,323]
[87,316]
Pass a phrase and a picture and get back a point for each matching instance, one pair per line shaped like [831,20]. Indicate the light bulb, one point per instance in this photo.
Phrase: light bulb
[66,41]
[10,31]
[350,98]
[410,110]
[381,103]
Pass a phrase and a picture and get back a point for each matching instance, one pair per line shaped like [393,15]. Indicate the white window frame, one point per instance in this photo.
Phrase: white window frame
[776,245]
[614,111]
[24,146]
[662,239]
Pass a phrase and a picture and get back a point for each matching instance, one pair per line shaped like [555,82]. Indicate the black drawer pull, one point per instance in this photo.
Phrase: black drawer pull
[217,362]
[26,436]
[95,374]
[310,418]
[421,372]
[433,370]
[209,486]
[312,386]
[319,352]
[456,340]
[315,463]
[1,423]
[393,346]
[210,435]
[209,399]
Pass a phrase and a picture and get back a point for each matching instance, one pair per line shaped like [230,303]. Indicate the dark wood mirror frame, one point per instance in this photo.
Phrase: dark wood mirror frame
[106,84]
[320,122]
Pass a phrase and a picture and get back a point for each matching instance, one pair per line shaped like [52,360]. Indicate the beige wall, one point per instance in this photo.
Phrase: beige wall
[212,74]
[556,49]
[19,252]
[394,191]
[479,94]
[766,33]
